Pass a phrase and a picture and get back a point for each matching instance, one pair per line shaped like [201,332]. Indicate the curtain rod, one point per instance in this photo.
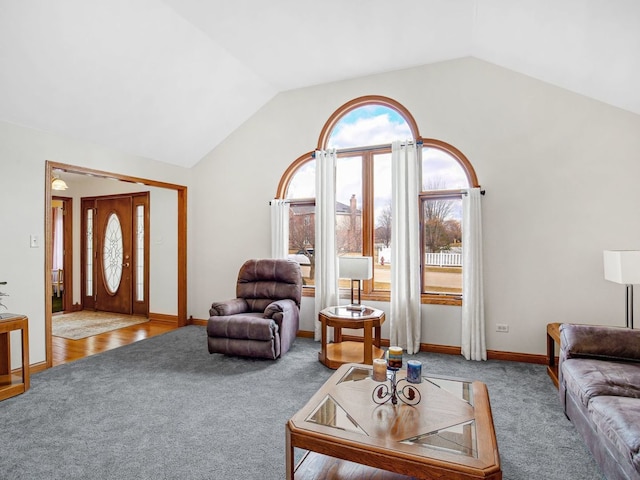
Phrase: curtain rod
[371,148]
[296,200]
[287,200]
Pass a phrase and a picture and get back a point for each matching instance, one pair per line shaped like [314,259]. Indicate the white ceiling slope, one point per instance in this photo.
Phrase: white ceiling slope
[169,80]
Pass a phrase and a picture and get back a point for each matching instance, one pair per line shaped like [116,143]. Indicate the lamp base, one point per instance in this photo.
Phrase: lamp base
[355,307]
[629,307]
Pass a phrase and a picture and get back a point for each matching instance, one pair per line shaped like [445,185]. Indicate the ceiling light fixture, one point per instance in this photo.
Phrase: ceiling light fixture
[58,184]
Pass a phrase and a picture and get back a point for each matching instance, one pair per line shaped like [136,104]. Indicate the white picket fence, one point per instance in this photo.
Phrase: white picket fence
[442,259]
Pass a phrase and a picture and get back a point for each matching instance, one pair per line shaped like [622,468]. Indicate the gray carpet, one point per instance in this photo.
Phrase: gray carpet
[163,408]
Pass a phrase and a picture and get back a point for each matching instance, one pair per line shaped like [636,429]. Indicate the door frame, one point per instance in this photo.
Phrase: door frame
[67,245]
[181,190]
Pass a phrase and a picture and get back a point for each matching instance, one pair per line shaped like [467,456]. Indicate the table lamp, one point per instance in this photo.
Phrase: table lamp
[623,266]
[355,269]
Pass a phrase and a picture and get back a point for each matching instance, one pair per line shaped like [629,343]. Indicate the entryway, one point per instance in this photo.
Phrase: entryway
[179,276]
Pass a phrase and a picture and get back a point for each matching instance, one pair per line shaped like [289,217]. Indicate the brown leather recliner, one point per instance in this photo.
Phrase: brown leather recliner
[263,320]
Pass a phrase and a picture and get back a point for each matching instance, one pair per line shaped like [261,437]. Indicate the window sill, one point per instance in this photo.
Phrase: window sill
[441,299]
[426,298]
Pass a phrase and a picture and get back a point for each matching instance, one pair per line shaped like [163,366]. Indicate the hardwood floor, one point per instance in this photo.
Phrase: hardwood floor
[65,350]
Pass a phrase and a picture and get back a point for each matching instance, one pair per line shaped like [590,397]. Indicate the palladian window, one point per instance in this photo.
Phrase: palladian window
[362,132]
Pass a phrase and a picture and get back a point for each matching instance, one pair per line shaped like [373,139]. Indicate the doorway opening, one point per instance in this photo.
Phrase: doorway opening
[181,271]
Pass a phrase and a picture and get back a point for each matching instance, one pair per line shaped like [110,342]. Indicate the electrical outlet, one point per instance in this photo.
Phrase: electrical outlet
[502,327]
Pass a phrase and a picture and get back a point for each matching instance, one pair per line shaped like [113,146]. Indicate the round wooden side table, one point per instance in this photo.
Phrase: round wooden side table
[340,352]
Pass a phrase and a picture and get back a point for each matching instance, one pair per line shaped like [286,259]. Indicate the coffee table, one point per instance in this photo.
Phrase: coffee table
[449,434]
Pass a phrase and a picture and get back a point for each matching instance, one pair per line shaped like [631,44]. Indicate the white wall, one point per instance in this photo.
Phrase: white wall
[560,171]
[23,153]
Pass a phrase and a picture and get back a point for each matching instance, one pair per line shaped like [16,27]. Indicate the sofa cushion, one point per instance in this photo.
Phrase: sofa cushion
[617,419]
[247,326]
[599,342]
[588,378]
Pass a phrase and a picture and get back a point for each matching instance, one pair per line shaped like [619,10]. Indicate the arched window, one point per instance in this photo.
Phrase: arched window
[362,132]
[446,173]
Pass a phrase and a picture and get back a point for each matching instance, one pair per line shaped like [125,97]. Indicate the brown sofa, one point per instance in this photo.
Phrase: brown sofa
[263,319]
[599,385]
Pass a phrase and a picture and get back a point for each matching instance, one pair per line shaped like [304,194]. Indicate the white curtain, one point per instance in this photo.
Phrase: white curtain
[326,261]
[405,246]
[473,327]
[58,231]
[279,228]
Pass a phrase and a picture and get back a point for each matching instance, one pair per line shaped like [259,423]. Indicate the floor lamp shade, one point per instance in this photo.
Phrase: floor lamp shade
[355,269]
[623,266]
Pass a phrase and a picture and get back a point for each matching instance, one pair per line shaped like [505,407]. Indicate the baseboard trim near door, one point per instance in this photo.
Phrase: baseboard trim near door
[197,321]
[164,318]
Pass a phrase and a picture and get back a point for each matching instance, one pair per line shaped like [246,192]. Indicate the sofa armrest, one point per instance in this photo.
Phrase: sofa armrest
[599,342]
[279,306]
[229,307]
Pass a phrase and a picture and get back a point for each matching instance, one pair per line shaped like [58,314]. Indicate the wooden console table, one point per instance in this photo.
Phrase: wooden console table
[553,337]
[339,352]
[11,385]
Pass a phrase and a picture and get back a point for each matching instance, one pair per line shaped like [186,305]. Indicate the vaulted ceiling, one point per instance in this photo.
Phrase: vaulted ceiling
[169,80]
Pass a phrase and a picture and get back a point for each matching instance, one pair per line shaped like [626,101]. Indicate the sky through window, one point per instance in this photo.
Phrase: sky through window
[369,125]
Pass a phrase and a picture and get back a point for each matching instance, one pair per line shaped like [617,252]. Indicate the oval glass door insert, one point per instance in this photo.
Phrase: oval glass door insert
[112,254]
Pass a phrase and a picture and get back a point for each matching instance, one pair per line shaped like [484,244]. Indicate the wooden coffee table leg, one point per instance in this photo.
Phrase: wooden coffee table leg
[289,454]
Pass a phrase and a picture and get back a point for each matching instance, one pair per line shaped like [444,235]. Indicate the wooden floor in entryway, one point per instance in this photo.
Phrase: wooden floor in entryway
[65,350]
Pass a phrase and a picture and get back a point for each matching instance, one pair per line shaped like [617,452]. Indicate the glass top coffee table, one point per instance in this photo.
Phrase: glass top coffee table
[448,434]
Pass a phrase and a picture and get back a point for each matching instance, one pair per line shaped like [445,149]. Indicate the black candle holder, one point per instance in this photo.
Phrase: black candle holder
[396,390]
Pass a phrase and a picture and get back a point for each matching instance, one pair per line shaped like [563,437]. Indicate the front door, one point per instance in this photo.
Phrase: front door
[113,255]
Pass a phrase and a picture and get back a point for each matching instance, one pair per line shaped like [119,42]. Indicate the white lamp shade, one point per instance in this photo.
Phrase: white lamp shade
[622,266]
[356,268]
